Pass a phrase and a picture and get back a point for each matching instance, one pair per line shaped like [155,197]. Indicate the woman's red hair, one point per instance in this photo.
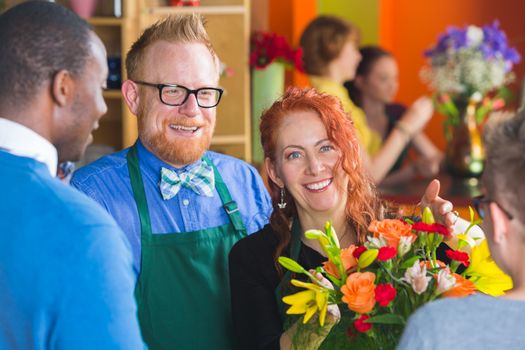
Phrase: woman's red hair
[363,204]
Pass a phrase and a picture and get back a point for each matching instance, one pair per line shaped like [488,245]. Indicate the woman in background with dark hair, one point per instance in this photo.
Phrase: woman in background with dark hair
[331,56]
[315,172]
[373,89]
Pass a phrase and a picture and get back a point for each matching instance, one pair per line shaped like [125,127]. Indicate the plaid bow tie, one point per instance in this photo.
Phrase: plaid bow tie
[200,179]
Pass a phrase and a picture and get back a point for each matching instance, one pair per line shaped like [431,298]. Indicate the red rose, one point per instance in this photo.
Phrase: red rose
[431,228]
[361,325]
[358,251]
[385,293]
[386,253]
[458,255]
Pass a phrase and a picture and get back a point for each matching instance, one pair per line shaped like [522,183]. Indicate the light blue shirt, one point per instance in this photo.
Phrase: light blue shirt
[474,322]
[107,182]
[66,279]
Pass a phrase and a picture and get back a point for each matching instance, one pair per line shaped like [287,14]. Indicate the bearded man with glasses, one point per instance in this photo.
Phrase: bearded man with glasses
[181,206]
[481,321]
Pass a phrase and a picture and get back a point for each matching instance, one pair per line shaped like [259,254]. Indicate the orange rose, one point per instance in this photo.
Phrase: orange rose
[349,261]
[392,230]
[359,292]
[462,288]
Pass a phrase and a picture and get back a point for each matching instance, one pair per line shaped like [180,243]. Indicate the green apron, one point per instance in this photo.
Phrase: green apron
[183,293]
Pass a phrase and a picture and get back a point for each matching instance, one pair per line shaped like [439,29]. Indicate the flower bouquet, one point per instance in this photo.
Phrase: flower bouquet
[469,68]
[470,65]
[379,284]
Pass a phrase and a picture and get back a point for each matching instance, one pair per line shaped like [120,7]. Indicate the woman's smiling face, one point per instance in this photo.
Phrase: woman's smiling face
[305,164]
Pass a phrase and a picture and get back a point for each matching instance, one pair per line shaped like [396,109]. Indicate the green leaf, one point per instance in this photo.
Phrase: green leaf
[334,280]
[330,232]
[333,251]
[387,319]
[410,262]
[290,264]
[314,234]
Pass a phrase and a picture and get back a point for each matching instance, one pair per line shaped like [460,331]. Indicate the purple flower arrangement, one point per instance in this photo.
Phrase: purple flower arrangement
[470,64]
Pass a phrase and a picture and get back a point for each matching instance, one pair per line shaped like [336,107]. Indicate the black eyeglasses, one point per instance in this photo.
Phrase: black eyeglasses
[177,95]
[478,203]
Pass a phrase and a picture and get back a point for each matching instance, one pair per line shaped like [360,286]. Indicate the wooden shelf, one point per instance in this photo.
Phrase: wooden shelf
[112,93]
[205,10]
[105,21]
[228,139]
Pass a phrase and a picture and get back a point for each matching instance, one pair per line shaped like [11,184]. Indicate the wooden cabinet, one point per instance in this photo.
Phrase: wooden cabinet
[228,27]
[118,128]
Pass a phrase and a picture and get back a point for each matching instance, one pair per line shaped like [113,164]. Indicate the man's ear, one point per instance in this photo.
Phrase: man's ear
[62,88]
[131,95]
[272,173]
[500,223]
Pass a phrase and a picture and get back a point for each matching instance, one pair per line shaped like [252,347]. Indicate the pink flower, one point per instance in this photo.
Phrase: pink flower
[358,251]
[445,281]
[417,277]
[498,103]
[385,293]
[431,228]
[361,325]
[458,255]
[386,253]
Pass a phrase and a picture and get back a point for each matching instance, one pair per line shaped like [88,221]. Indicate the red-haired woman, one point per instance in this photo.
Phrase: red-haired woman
[331,56]
[315,174]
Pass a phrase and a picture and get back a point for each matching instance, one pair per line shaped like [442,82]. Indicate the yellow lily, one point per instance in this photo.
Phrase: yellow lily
[485,274]
[308,302]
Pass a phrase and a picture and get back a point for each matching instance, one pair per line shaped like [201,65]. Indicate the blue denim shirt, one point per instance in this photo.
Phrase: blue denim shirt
[107,182]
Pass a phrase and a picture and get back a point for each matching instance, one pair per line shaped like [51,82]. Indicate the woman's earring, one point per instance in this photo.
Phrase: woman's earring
[282,203]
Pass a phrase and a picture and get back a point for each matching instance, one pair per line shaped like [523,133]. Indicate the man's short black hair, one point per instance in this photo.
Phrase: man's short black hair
[38,39]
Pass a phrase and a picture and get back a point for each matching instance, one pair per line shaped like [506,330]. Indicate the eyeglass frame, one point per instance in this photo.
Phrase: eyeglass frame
[483,199]
[188,92]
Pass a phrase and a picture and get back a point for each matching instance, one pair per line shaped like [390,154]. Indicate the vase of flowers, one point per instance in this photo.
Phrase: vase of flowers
[468,69]
[378,285]
[270,56]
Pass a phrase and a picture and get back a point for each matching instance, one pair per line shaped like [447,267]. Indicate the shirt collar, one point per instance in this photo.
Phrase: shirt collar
[24,142]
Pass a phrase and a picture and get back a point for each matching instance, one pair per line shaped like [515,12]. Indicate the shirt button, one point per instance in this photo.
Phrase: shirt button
[185,202]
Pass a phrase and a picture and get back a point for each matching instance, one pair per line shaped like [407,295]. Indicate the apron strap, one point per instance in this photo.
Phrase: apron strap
[137,185]
[295,248]
[228,203]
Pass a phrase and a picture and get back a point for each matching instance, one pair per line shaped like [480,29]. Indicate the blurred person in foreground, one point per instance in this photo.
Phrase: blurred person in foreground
[481,321]
[66,278]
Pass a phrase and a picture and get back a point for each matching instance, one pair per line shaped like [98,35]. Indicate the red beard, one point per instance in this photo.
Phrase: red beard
[175,151]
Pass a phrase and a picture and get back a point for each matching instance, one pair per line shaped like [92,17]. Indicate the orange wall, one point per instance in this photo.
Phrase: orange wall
[408,27]
[289,18]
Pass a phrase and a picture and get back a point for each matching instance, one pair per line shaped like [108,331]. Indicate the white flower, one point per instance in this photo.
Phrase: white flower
[375,242]
[474,36]
[405,243]
[417,277]
[476,97]
[445,281]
